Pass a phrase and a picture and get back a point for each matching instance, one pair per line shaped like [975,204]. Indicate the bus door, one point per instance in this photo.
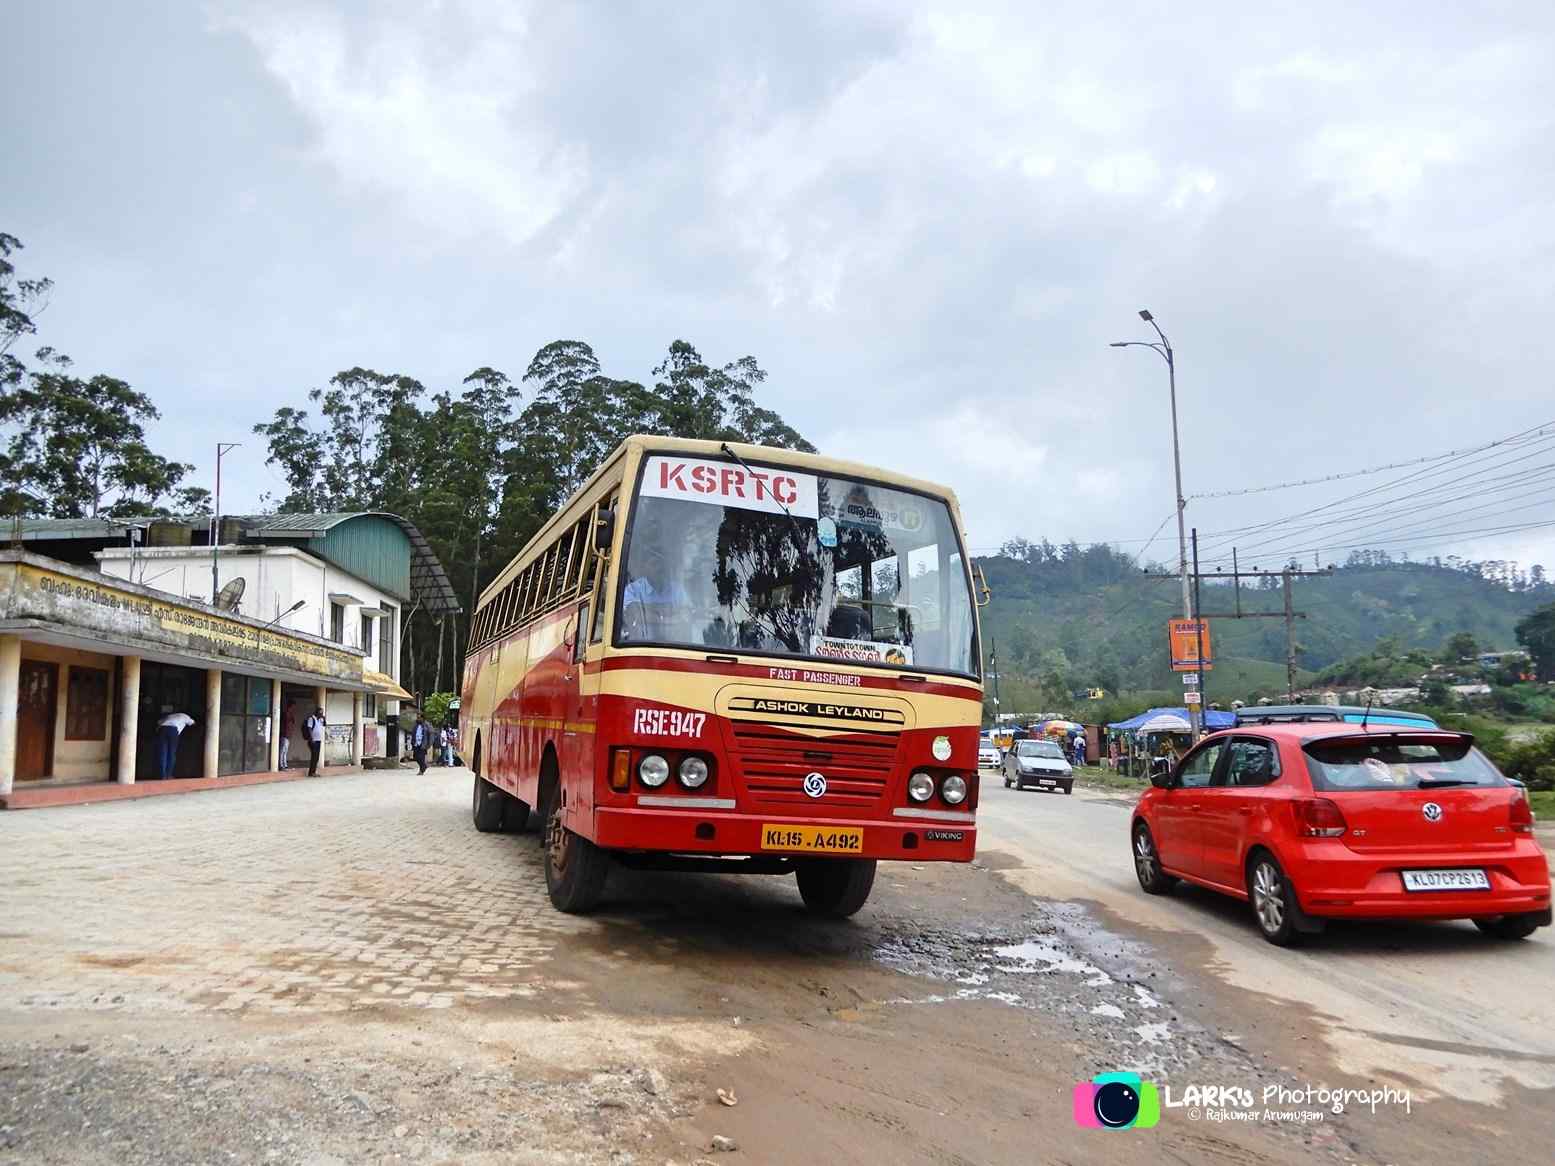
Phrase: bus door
[579,711]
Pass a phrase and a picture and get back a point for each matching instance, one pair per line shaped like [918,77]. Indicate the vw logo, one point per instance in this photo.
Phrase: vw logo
[1432,812]
[815,784]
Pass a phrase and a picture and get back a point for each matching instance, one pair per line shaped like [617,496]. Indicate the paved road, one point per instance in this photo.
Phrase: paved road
[1435,1001]
[344,970]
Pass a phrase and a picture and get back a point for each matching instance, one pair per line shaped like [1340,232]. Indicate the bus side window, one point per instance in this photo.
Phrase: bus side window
[578,642]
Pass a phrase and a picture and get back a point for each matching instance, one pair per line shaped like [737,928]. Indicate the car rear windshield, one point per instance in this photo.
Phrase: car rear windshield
[1397,762]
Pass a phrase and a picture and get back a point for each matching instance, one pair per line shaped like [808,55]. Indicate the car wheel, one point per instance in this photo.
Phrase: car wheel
[1147,864]
[1508,926]
[835,887]
[1274,902]
[1069,789]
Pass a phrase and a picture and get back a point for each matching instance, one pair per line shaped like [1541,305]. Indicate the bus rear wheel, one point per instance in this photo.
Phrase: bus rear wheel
[575,868]
[488,804]
[835,887]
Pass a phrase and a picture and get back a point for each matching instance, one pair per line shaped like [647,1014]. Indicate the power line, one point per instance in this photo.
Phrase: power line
[1433,541]
[1384,488]
[1348,474]
[1385,513]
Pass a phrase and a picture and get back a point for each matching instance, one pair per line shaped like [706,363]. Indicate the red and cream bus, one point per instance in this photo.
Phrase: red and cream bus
[732,657]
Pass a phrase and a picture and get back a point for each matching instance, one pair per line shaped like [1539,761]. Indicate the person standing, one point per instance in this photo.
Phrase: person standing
[314,727]
[420,735]
[169,729]
[1079,749]
[288,727]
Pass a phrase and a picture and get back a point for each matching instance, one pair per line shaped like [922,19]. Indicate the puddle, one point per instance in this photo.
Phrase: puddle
[1110,991]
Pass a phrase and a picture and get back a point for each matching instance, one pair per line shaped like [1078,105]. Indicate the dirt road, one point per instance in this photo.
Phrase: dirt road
[343,970]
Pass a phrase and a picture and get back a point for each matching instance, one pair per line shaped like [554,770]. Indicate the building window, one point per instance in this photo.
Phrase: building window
[86,705]
[367,635]
[370,706]
[337,622]
[388,662]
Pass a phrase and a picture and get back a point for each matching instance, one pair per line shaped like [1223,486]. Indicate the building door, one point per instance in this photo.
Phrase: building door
[36,706]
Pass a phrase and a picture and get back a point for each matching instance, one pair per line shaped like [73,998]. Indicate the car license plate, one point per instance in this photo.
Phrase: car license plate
[1466,879]
[813,839]
[1046,781]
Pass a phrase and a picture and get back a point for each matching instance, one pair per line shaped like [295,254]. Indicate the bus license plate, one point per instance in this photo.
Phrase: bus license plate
[1465,879]
[813,839]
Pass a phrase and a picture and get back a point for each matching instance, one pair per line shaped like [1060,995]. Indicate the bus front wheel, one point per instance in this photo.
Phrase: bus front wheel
[835,887]
[575,868]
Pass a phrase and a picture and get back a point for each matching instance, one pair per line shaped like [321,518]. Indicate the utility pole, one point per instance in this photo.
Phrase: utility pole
[222,449]
[1196,717]
[993,667]
[1290,639]
[1286,576]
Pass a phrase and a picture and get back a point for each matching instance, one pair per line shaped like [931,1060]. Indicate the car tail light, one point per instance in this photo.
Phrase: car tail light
[1522,814]
[1319,818]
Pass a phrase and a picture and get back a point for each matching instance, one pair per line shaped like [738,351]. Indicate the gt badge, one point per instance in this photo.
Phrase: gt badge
[815,784]
[1432,812]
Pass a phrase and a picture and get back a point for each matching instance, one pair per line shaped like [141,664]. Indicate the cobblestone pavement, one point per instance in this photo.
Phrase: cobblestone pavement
[318,896]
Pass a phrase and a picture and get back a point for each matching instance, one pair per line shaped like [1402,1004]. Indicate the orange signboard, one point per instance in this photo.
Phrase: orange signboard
[1184,635]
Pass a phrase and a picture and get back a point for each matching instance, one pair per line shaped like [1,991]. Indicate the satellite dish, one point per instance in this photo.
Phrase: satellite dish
[227,598]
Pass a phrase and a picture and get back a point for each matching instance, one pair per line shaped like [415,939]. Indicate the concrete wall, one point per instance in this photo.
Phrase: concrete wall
[274,578]
[77,759]
[337,739]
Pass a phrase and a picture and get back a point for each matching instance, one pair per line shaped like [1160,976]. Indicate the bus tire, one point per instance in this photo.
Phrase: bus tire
[835,887]
[515,817]
[488,804]
[575,869]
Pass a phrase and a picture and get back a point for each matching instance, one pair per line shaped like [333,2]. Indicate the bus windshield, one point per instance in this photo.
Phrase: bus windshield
[777,561]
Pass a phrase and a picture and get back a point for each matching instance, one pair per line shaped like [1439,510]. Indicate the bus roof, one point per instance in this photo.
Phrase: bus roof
[640,442]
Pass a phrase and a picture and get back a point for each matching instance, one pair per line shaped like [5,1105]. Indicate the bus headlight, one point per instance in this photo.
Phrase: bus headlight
[653,771]
[693,772]
[953,790]
[920,787]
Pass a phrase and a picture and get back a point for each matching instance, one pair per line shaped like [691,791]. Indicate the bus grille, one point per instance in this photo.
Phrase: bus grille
[774,764]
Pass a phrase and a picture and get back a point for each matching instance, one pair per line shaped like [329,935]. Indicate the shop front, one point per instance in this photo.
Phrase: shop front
[91,666]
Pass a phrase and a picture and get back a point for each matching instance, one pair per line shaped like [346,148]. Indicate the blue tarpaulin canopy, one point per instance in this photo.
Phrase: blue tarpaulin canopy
[1213,719]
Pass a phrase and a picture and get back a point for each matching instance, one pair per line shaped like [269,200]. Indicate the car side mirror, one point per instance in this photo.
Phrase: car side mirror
[604,531]
[1164,778]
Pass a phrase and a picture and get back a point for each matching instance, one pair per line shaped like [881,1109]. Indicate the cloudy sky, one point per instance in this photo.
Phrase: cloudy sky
[927,223]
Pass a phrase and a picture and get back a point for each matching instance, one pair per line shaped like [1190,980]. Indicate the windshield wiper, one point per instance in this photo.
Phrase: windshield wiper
[744,465]
[1443,782]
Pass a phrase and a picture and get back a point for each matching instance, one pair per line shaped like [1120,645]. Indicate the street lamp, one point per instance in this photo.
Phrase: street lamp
[223,448]
[1164,350]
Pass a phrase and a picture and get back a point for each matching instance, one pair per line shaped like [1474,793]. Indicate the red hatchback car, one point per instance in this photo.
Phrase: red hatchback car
[1312,821]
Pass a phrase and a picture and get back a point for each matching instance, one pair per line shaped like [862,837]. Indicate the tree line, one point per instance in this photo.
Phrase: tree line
[478,466]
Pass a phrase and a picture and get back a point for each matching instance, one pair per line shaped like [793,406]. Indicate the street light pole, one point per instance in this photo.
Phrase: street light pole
[1164,351]
[222,449]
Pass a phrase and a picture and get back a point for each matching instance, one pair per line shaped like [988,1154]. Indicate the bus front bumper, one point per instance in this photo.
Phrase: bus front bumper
[695,831]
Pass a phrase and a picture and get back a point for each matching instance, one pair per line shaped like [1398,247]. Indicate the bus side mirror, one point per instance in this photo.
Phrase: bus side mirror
[604,532]
[984,592]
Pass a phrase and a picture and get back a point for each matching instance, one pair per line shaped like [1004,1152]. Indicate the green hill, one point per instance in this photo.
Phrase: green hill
[1071,617]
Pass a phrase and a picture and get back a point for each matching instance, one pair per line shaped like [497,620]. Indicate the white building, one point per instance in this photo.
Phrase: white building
[307,609]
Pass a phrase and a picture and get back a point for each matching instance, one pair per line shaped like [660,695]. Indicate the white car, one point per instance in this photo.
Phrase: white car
[1038,763]
[989,755]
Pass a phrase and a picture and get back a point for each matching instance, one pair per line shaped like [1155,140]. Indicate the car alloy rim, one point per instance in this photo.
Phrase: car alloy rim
[1268,900]
[1144,857]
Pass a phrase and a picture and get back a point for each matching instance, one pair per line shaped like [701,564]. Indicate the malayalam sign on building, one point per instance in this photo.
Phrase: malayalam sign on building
[111,610]
[1184,635]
